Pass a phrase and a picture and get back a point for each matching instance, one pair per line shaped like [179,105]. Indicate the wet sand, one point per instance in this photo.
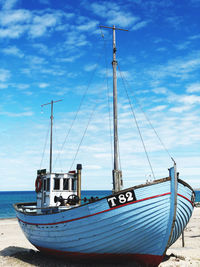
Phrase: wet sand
[15,250]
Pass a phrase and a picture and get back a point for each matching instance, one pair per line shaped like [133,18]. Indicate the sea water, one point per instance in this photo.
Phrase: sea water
[8,198]
[197,196]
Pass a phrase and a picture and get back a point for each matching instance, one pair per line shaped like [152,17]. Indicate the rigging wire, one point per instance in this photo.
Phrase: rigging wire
[56,141]
[45,144]
[90,118]
[136,122]
[151,125]
[77,112]
[108,93]
[120,165]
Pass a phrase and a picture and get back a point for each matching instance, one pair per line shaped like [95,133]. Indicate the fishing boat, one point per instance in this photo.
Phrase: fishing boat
[138,223]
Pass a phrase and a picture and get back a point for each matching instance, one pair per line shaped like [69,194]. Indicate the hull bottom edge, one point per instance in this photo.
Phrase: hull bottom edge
[144,259]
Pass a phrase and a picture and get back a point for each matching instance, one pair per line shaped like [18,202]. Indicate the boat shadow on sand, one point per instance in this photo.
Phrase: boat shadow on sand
[18,256]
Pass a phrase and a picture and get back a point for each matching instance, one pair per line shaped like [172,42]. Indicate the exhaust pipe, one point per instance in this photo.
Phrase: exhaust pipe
[79,168]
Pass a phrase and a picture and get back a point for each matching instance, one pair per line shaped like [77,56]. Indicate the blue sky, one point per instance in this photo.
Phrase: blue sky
[54,50]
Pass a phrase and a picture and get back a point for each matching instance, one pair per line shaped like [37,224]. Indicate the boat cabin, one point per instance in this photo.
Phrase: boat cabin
[58,189]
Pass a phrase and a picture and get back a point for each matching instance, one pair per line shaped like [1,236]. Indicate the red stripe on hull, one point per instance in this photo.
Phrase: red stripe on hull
[90,215]
[186,199]
[144,259]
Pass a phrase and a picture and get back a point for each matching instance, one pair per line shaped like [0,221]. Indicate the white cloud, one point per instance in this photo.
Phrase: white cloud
[4,75]
[184,99]
[17,22]
[13,50]
[160,90]
[189,99]
[140,25]
[124,19]
[90,67]
[42,23]
[194,37]
[193,88]
[13,32]
[113,13]
[8,4]
[174,21]
[93,167]
[3,85]
[42,48]
[178,131]
[158,108]
[43,85]
[13,17]
[75,39]
[35,60]
[22,86]
[161,49]
[13,114]
[183,45]
[106,73]
[180,109]
[179,68]
[70,58]
[89,26]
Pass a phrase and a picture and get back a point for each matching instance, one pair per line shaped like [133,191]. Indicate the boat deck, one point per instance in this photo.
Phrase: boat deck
[31,208]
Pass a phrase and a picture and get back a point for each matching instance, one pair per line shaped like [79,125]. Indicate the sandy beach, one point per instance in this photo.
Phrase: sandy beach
[15,250]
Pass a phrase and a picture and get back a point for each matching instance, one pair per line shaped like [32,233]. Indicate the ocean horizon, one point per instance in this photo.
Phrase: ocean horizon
[8,198]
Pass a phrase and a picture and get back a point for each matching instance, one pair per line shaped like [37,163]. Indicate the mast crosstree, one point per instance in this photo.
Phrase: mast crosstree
[117,174]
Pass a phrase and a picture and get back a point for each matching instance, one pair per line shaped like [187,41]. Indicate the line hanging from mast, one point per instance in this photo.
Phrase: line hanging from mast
[78,110]
[136,122]
[109,105]
[78,148]
[45,144]
[147,118]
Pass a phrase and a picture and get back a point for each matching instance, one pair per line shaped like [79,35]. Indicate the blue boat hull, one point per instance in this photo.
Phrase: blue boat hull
[112,227]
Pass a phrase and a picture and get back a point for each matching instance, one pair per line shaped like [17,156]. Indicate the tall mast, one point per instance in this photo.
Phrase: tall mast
[117,174]
[115,117]
[51,133]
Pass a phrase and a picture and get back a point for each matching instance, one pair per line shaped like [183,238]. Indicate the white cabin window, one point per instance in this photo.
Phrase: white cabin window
[56,184]
[48,184]
[65,184]
[73,184]
[44,184]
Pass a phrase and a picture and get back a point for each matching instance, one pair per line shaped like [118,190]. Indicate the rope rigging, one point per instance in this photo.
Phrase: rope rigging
[56,141]
[45,144]
[78,148]
[136,123]
[108,93]
[126,85]
[77,112]
[149,121]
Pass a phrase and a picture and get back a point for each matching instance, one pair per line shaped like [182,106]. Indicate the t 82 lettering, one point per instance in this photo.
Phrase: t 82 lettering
[121,199]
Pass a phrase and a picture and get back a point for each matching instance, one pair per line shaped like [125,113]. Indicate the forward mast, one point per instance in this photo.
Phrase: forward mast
[51,133]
